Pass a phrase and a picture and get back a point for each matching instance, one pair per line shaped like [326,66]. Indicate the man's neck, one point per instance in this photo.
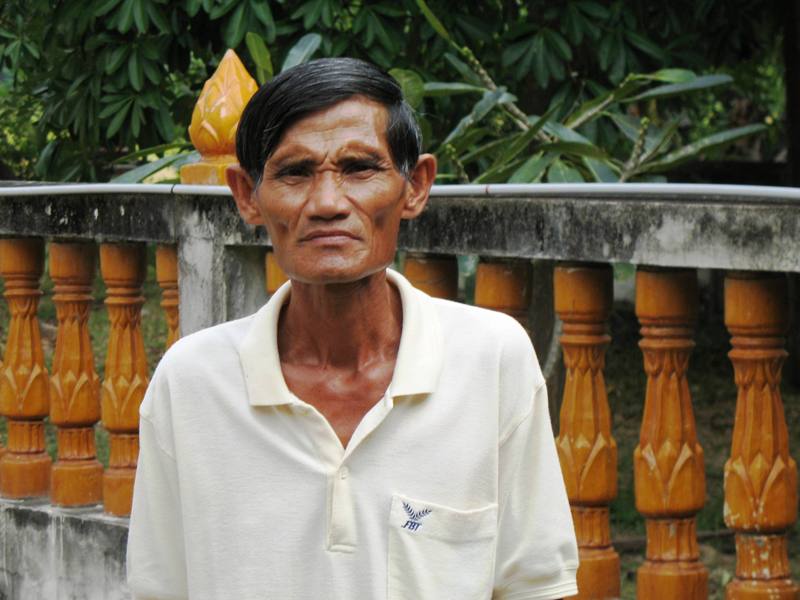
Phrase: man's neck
[342,326]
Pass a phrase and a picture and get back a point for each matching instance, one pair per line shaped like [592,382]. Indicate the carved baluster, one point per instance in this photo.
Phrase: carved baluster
[167,277]
[24,397]
[760,475]
[74,385]
[586,448]
[123,269]
[275,277]
[434,275]
[504,285]
[668,462]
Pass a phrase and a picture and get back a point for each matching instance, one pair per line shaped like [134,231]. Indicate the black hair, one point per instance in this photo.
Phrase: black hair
[314,86]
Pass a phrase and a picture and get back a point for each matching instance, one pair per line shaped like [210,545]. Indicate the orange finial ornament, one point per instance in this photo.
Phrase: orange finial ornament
[215,119]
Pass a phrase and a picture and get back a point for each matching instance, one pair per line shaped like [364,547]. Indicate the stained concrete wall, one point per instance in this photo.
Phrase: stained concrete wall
[48,553]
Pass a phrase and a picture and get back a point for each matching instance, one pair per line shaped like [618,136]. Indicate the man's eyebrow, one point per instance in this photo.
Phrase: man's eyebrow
[359,154]
[291,161]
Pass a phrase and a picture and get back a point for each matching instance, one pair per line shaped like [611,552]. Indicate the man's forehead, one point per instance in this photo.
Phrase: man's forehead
[356,121]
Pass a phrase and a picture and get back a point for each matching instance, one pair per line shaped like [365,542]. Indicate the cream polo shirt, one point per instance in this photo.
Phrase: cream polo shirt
[449,488]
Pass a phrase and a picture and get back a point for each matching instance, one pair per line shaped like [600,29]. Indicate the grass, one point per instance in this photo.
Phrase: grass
[710,380]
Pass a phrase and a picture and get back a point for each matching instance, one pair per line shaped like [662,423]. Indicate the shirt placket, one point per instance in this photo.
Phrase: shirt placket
[341,521]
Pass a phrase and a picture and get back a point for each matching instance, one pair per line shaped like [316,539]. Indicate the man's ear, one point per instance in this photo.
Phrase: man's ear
[420,184]
[241,185]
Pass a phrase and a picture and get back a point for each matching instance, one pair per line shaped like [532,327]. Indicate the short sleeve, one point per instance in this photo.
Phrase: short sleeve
[537,555]
[156,562]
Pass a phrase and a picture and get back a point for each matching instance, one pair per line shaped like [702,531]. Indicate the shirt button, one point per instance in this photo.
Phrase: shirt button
[343,473]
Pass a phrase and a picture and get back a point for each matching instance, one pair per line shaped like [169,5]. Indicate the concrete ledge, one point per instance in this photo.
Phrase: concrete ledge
[61,554]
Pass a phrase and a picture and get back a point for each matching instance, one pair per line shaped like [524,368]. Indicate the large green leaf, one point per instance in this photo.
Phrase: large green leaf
[261,56]
[464,70]
[592,108]
[577,148]
[499,173]
[702,145]
[433,20]
[435,89]
[533,168]
[673,89]
[521,141]
[603,171]
[483,107]
[302,50]
[411,84]
[561,172]
[141,172]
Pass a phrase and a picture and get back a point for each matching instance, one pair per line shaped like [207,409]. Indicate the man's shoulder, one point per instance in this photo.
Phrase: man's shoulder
[482,325]
[210,346]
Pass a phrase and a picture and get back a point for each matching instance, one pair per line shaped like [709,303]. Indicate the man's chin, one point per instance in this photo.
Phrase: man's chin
[334,275]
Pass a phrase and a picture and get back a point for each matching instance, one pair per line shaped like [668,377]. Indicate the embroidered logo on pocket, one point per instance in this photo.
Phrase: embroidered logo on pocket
[414,517]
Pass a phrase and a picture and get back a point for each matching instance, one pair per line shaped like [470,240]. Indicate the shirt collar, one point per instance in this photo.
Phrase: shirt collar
[419,358]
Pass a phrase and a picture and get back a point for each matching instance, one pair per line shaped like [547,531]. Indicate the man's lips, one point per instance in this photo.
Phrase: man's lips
[328,235]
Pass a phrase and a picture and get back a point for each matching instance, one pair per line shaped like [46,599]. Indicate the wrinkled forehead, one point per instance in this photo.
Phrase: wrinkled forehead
[356,119]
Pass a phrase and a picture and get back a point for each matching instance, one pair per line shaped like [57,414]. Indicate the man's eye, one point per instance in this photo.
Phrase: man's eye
[359,167]
[296,171]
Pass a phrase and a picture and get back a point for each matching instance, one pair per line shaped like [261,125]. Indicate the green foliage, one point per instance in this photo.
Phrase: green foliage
[558,152]
[113,76]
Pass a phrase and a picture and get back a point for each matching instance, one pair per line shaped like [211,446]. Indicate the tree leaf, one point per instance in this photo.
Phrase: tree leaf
[435,89]
[673,89]
[260,55]
[302,50]
[433,20]
[116,123]
[602,170]
[671,75]
[468,74]
[135,72]
[263,13]
[115,58]
[521,141]
[489,101]
[533,168]
[143,171]
[692,150]
[411,84]
[560,172]
[103,7]
[577,148]
[235,27]
[140,15]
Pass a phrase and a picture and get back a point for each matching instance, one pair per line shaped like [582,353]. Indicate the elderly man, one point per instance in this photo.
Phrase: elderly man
[354,438]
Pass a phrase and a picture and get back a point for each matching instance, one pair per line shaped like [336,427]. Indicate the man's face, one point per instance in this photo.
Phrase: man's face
[330,195]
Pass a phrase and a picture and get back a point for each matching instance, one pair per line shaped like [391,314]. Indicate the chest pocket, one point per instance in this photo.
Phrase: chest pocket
[440,552]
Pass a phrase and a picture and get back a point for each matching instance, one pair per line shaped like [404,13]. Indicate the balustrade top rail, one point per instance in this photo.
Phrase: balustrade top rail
[670,225]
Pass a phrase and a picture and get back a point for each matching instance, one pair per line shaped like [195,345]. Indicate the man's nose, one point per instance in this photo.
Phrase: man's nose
[328,199]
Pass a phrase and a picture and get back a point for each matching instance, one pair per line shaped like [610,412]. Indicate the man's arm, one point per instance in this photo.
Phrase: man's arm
[156,558]
[537,555]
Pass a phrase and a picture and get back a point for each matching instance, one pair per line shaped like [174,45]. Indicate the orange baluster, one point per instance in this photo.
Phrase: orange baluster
[668,462]
[274,274]
[760,475]
[167,277]
[586,448]
[24,397]
[504,285]
[123,269]
[77,476]
[434,275]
